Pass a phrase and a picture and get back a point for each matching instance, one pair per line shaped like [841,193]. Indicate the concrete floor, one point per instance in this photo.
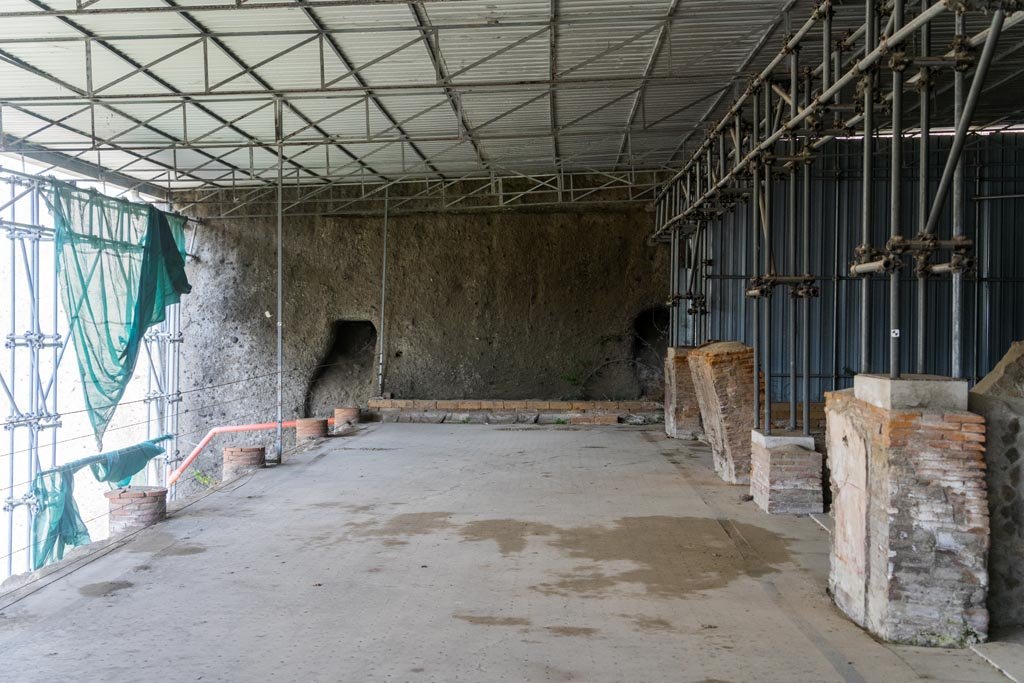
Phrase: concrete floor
[463,553]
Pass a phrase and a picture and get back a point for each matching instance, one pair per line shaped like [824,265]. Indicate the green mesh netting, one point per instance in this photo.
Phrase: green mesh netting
[121,465]
[120,265]
[57,524]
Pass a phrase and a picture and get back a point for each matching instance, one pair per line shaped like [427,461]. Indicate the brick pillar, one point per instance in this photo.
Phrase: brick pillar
[723,383]
[310,428]
[908,559]
[785,473]
[346,415]
[682,412]
[135,507]
[239,460]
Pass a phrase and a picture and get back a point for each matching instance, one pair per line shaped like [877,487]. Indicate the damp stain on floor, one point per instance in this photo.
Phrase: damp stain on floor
[181,550]
[665,556]
[103,589]
[570,631]
[492,620]
[407,524]
[510,534]
[643,622]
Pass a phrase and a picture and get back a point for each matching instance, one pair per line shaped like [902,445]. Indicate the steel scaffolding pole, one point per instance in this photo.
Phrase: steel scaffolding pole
[279,281]
[791,231]
[867,198]
[924,118]
[755,262]
[766,220]
[673,274]
[12,369]
[957,303]
[383,297]
[805,303]
[895,197]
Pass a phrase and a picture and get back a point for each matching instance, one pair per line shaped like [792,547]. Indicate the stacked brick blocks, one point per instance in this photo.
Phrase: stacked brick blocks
[519,411]
[239,460]
[310,428]
[785,474]
[135,507]
[682,412]
[346,415]
[908,559]
[723,382]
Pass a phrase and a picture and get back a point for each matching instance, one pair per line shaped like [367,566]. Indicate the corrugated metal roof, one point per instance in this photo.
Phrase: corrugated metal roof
[450,87]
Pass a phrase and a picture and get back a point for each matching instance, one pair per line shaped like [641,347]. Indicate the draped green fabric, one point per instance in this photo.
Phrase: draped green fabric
[57,524]
[121,465]
[121,264]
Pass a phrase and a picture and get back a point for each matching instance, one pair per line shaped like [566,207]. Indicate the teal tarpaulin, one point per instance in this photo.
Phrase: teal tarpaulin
[57,524]
[121,264]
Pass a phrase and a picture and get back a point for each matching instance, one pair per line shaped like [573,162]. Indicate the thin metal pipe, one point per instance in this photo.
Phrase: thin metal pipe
[957,294]
[839,220]
[279,437]
[383,298]
[755,264]
[767,219]
[33,364]
[791,231]
[12,365]
[895,200]
[671,281]
[826,48]
[867,199]
[56,356]
[982,244]
[924,114]
[708,299]
[805,351]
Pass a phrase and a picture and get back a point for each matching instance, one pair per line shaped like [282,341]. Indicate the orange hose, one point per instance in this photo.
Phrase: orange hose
[226,429]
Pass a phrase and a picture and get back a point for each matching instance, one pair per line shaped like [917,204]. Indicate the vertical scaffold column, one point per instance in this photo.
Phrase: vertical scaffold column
[766,220]
[956,333]
[867,199]
[755,248]
[924,114]
[895,197]
[791,230]
[279,440]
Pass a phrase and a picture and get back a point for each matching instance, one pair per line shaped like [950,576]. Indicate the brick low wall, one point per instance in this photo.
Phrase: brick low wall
[525,411]
[911,535]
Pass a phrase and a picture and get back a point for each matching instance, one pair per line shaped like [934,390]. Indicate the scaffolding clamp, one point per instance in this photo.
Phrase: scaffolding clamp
[958,263]
[963,53]
[806,289]
[760,288]
[27,498]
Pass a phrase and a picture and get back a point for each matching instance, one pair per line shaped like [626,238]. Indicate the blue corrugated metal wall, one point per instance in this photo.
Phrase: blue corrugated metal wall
[994,301]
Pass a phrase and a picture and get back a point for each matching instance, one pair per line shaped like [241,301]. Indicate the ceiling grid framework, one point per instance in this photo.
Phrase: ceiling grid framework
[183,94]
